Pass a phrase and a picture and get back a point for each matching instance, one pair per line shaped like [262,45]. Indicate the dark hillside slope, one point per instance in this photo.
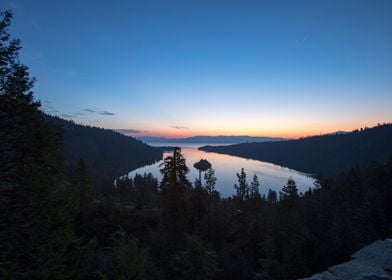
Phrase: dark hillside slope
[327,153]
[108,154]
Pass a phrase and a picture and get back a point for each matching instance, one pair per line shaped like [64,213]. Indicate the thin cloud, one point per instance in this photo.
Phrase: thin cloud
[103,113]
[90,110]
[179,127]
[106,113]
[48,108]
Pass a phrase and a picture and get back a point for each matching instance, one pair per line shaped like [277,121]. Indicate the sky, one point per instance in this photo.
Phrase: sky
[183,68]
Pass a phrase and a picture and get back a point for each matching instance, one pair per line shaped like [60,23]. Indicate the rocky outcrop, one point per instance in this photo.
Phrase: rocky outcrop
[373,262]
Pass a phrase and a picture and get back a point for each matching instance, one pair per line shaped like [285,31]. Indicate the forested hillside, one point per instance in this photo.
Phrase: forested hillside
[107,154]
[328,154]
[53,226]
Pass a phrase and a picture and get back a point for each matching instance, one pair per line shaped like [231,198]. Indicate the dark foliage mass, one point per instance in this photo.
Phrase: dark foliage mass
[54,226]
[189,232]
[199,235]
[107,154]
[329,154]
[37,237]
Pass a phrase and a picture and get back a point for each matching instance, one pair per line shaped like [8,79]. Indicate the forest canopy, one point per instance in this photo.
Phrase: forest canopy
[328,154]
[55,225]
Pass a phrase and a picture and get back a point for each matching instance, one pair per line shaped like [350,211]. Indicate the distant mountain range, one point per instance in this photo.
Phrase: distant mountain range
[221,139]
[331,153]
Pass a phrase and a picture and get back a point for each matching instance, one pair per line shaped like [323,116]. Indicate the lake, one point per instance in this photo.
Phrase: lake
[226,167]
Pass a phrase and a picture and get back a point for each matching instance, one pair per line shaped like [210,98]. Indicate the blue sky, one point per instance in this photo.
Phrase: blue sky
[179,68]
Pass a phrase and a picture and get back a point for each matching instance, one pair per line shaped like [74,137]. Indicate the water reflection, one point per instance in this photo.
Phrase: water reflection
[226,167]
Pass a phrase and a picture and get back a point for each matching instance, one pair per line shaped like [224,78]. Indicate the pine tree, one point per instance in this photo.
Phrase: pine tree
[242,189]
[210,181]
[37,238]
[28,151]
[174,170]
[173,188]
[209,186]
[289,191]
[254,188]
[272,196]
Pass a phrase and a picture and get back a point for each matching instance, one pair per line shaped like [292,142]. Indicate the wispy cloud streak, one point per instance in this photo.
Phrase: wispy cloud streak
[106,113]
[179,127]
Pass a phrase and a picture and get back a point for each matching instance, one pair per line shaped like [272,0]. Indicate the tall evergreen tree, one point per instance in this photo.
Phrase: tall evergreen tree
[174,170]
[254,188]
[36,238]
[209,186]
[242,188]
[173,188]
[28,151]
[272,196]
[289,191]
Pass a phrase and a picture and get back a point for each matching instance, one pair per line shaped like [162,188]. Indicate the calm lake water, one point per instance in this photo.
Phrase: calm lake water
[226,167]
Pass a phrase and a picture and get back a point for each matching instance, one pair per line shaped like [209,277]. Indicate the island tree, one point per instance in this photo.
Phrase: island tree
[202,165]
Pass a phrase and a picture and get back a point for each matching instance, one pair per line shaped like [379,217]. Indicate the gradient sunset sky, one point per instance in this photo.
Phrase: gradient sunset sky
[182,68]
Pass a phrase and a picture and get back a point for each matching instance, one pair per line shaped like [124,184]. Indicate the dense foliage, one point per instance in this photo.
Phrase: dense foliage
[37,237]
[53,226]
[330,154]
[107,154]
[248,236]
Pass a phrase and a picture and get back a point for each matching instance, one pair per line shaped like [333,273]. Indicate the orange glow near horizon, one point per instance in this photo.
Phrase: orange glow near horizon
[293,132]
